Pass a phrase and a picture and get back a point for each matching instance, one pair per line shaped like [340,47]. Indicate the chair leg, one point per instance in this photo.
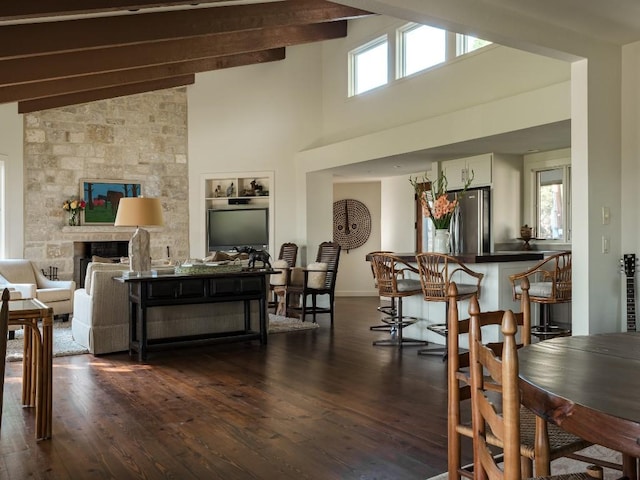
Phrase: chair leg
[304,307]
[440,350]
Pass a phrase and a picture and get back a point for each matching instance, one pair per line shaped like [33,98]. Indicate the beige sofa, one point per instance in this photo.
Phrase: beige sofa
[101,314]
[23,276]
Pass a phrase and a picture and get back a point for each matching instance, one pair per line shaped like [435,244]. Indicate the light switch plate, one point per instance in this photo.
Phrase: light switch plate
[606,215]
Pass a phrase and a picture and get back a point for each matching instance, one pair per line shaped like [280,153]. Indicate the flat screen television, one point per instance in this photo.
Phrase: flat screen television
[241,227]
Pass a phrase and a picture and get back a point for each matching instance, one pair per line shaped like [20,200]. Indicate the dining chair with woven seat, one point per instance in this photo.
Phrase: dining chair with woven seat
[550,281]
[491,377]
[557,442]
[437,271]
[392,276]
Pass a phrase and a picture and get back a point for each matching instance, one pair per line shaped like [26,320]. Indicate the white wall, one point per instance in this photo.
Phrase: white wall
[354,274]
[481,77]
[11,145]
[254,118]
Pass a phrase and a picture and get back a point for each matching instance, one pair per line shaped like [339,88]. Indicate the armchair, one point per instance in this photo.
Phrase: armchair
[24,277]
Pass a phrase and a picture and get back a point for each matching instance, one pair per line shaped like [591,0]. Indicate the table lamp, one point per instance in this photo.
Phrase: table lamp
[137,212]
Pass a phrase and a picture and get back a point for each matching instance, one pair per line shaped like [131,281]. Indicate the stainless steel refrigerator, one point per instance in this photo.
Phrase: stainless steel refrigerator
[471,223]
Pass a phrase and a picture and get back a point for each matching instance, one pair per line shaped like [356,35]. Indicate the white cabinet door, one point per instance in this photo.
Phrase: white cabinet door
[481,168]
[455,171]
[460,170]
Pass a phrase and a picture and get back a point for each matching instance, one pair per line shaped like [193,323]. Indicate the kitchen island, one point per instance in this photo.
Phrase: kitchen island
[495,290]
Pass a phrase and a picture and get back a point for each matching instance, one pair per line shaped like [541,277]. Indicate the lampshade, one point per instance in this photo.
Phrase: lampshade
[139,211]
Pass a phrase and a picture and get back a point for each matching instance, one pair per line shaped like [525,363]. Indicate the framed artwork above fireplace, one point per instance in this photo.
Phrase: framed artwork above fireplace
[102,198]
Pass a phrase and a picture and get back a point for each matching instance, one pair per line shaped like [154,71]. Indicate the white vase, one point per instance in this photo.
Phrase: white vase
[441,243]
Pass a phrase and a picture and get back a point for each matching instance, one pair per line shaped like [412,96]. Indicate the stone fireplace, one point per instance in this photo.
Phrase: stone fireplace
[139,138]
[83,252]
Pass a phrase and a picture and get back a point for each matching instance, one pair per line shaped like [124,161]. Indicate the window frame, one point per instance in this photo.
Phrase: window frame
[353,56]
[401,49]
[534,163]
[462,44]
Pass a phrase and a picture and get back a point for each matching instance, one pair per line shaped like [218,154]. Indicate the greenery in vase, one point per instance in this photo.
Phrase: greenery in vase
[436,205]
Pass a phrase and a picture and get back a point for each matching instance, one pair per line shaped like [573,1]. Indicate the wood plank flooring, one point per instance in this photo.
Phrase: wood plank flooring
[318,404]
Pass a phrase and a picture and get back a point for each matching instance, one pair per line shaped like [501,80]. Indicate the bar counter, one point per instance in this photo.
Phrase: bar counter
[495,290]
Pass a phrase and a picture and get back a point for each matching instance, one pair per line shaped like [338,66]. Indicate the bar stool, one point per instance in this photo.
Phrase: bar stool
[389,271]
[437,271]
[388,310]
[550,281]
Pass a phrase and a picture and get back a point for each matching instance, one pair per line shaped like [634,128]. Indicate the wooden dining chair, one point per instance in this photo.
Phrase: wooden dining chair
[286,260]
[317,279]
[491,377]
[4,328]
[556,442]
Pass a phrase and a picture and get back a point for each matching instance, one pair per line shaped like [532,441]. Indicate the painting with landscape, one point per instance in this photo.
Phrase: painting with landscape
[102,198]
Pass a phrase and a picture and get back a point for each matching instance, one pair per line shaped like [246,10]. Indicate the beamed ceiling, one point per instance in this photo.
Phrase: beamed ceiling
[57,53]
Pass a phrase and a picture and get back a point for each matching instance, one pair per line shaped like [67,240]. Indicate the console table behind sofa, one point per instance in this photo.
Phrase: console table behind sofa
[151,292]
[101,313]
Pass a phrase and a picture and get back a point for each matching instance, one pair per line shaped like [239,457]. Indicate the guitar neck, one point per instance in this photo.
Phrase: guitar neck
[631,304]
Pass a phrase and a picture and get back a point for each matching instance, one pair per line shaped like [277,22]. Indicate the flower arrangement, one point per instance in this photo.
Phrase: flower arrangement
[74,206]
[433,196]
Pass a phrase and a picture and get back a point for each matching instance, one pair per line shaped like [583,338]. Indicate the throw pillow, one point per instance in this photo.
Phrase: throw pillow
[280,278]
[317,275]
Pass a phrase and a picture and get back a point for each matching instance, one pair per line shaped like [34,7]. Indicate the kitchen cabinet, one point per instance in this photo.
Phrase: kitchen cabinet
[459,171]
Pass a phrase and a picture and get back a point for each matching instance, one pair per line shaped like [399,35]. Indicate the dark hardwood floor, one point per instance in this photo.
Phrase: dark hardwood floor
[317,404]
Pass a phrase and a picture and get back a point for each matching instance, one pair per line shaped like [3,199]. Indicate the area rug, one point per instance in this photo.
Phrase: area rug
[279,324]
[568,465]
[63,343]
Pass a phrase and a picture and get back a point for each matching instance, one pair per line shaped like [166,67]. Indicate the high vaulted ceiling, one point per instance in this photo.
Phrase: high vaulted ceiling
[56,53]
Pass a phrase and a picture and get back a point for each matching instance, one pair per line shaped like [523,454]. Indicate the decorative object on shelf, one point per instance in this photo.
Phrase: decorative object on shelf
[74,207]
[441,242]
[351,223]
[218,192]
[137,212]
[102,198]
[526,236]
[437,205]
[230,189]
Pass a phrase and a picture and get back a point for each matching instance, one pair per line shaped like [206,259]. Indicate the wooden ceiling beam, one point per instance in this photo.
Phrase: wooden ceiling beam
[48,88]
[73,35]
[65,65]
[103,93]
[49,8]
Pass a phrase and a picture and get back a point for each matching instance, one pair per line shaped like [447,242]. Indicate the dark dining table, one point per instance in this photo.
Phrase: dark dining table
[589,386]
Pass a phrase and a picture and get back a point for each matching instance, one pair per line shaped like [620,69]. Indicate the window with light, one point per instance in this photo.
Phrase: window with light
[369,66]
[467,44]
[552,206]
[420,47]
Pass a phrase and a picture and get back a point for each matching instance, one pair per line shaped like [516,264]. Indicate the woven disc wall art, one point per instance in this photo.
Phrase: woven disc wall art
[351,223]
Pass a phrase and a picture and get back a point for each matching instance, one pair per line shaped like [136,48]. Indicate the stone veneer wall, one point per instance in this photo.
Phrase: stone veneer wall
[142,138]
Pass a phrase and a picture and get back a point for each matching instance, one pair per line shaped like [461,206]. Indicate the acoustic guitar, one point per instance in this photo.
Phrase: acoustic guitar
[629,266]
